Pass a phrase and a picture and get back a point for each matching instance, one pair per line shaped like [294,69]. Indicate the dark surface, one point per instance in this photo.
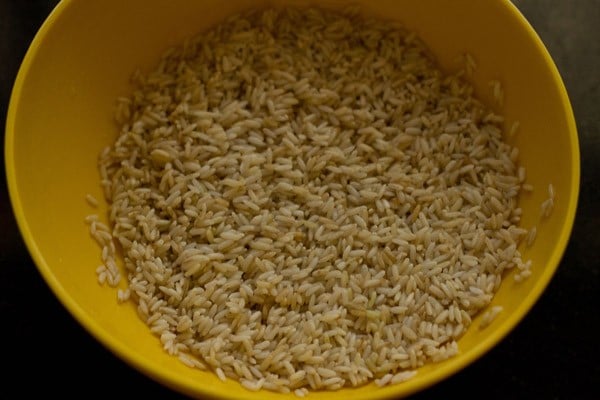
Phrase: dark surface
[553,354]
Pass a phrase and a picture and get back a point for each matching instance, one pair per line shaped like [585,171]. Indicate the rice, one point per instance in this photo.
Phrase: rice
[531,236]
[91,200]
[514,128]
[402,376]
[498,93]
[468,64]
[222,377]
[488,317]
[384,380]
[524,274]
[123,295]
[527,187]
[304,201]
[547,207]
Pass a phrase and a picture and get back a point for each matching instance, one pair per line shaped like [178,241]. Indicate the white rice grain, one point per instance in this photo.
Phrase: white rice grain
[123,295]
[497,92]
[91,200]
[547,207]
[489,316]
[551,193]
[514,128]
[531,236]
[402,376]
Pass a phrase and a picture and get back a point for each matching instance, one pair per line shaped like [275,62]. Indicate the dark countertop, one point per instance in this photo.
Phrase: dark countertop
[553,354]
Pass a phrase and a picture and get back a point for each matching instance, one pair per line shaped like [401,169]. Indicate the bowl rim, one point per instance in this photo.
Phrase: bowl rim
[189,386]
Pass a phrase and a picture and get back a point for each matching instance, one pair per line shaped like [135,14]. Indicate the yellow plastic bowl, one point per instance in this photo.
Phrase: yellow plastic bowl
[60,117]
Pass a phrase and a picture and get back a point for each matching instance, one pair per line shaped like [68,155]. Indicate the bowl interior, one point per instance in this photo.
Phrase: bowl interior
[61,117]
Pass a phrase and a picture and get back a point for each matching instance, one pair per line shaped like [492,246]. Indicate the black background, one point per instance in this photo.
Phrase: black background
[553,354]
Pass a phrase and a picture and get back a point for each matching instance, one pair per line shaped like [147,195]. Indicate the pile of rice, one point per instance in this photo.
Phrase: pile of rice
[303,200]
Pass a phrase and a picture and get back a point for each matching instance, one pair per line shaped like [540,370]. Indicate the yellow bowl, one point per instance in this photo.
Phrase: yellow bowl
[60,117]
